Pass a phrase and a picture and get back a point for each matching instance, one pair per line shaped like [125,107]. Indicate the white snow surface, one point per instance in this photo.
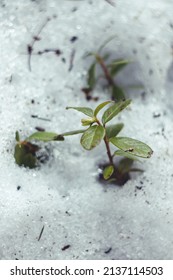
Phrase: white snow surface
[64,194]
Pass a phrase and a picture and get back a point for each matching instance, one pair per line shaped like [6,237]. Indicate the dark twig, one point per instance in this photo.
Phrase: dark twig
[56,51]
[72,59]
[37,117]
[108,250]
[38,128]
[30,47]
[41,232]
[65,247]
[111,2]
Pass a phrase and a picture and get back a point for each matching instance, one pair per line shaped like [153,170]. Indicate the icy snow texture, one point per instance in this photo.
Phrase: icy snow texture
[64,195]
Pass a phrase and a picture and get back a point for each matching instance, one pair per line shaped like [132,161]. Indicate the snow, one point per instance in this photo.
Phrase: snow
[64,195]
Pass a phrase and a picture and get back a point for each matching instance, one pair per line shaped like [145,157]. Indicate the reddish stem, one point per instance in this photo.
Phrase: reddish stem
[116,172]
[108,150]
[107,146]
[105,70]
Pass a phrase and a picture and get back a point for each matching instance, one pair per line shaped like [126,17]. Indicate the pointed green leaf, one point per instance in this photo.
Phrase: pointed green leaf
[120,61]
[85,110]
[92,137]
[117,93]
[19,152]
[105,43]
[108,171]
[89,54]
[45,136]
[113,130]
[125,165]
[112,111]
[91,76]
[23,157]
[125,154]
[132,146]
[99,107]
[136,170]
[17,137]
[73,132]
[117,65]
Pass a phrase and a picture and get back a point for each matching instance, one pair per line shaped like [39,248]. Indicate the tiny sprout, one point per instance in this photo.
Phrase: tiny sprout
[110,70]
[98,130]
[129,149]
[25,152]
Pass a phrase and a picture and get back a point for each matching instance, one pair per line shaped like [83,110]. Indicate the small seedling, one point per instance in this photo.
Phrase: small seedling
[109,71]
[25,153]
[98,130]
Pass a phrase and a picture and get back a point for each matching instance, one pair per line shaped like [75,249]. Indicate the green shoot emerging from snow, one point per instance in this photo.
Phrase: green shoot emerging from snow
[109,68]
[25,153]
[98,130]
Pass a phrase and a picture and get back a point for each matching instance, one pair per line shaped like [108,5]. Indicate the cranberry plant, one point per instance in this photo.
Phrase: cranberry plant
[96,130]
[99,130]
[109,68]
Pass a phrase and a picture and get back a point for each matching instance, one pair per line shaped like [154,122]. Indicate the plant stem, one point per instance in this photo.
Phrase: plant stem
[108,150]
[105,70]
[117,174]
[107,146]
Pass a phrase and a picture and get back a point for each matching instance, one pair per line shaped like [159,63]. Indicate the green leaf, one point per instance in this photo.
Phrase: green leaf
[17,137]
[105,43]
[105,56]
[120,61]
[92,137]
[125,154]
[89,54]
[136,170]
[108,171]
[85,110]
[117,65]
[113,130]
[45,136]
[112,111]
[125,165]
[99,107]
[117,93]
[91,76]
[132,146]
[73,132]
[23,157]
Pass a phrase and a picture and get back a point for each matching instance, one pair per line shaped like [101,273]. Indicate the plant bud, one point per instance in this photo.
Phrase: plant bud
[88,121]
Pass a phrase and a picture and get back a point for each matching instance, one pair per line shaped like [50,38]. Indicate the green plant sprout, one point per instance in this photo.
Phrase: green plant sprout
[25,152]
[98,130]
[109,70]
